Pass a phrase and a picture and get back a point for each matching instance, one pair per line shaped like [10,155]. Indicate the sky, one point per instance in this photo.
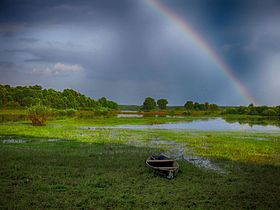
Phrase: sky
[127,50]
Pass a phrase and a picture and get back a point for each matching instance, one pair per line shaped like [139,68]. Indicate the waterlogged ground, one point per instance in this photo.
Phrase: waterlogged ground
[215,124]
[69,165]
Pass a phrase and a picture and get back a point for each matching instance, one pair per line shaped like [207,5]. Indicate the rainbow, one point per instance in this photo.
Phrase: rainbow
[202,45]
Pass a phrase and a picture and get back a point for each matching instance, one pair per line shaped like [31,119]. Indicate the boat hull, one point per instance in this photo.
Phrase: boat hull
[163,166]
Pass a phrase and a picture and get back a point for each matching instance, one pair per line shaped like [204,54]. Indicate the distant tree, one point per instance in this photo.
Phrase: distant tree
[206,105]
[149,104]
[189,105]
[213,107]
[196,106]
[252,110]
[261,109]
[162,103]
[242,110]
[102,102]
[112,105]
[3,95]
[277,109]
[28,101]
[36,87]
[231,111]
[270,112]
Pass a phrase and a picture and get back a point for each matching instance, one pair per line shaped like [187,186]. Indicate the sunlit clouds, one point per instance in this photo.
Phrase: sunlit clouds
[58,69]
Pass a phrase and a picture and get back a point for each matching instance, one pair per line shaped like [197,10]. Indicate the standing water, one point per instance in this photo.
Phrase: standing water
[218,124]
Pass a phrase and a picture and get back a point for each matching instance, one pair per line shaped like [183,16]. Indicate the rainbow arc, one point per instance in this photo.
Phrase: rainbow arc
[202,45]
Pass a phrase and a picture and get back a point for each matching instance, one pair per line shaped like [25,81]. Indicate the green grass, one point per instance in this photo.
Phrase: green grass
[74,175]
[236,145]
[13,111]
[64,166]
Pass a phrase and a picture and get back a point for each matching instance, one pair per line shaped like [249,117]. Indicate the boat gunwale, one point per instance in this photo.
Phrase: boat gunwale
[166,169]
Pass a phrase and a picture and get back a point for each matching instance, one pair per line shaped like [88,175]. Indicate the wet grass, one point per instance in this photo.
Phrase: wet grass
[254,147]
[64,166]
[75,175]
[99,121]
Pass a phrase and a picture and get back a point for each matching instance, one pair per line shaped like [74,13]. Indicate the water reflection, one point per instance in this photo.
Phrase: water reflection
[206,124]
[219,123]
[129,115]
[254,121]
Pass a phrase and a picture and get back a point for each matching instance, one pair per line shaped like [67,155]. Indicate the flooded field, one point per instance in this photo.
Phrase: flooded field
[215,124]
[179,151]
[72,158]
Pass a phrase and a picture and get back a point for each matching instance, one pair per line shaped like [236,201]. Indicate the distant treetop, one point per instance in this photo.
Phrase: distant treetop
[26,96]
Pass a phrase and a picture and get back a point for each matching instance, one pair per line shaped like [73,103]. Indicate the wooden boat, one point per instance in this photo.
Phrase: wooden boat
[163,165]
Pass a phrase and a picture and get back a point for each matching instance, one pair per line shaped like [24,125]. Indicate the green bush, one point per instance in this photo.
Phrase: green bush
[71,112]
[230,111]
[60,112]
[39,114]
[101,111]
[65,112]
[187,113]
[171,113]
[270,112]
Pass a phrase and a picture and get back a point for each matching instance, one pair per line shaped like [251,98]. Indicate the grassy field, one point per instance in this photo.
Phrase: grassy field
[67,166]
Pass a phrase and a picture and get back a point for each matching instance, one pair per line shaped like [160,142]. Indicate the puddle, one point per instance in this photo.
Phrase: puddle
[253,138]
[179,151]
[129,115]
[22,141]
[18,141]
[204,163]
[262,139]
[55,140]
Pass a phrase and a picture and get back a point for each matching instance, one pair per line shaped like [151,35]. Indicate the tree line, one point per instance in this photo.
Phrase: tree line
[151,104]
[26,96]
[254,110]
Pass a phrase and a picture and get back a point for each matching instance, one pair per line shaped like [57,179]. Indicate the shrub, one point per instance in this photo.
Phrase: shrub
[101,111]
[60,112]
[231,111]
[71,112]
[65,112]
[270,112]
[186,113]
[39,114]
[171,113]
[148,114]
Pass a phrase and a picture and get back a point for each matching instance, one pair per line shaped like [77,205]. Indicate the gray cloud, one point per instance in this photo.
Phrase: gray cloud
[58,69]
[126,50]
[28,39]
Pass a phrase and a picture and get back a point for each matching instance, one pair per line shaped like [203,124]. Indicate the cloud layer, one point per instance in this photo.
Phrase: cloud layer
[125,50]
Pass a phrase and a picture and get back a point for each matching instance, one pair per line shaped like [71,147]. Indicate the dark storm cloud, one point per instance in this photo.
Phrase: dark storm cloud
[29,39]
[126,50]
[63,11]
